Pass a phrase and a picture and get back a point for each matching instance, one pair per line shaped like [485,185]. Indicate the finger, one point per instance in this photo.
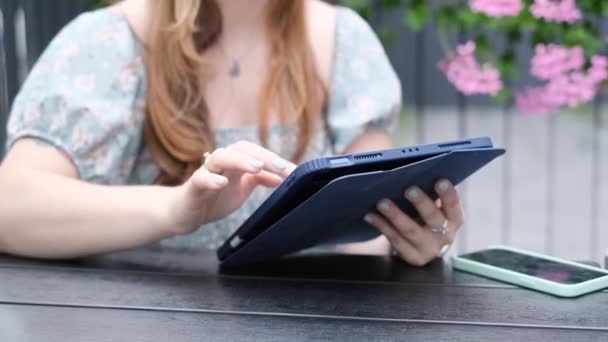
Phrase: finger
[203,181]
[425,206]
[405,225]
[450,202]
[263,178]
[290,168]
[401,245]
[272,162]
[425,241]
[226,160]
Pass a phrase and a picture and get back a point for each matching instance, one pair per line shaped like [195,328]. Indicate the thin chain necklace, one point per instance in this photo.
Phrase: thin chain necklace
[234,72]
[235,69]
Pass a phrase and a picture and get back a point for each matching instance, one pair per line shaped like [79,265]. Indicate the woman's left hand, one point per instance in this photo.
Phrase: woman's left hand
[420,243]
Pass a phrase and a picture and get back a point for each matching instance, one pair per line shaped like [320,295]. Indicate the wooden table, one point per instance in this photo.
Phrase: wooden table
[148,296]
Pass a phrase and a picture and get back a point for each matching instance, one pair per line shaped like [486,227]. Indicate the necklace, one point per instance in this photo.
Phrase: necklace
[235,69]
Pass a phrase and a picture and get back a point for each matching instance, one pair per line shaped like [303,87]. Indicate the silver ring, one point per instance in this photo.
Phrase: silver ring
[443,229]
[444,250]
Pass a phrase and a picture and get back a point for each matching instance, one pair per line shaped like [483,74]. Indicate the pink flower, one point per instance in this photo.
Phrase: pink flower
[556,10]
[466,49]
[552,60]
[496,8]
[598,71]
[464,72]
[532,101]
[569,89]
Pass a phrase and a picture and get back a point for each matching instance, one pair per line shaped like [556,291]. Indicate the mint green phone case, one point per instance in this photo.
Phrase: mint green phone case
[551,287]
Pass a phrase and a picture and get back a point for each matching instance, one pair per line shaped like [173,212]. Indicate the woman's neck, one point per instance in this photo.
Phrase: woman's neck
[242,17]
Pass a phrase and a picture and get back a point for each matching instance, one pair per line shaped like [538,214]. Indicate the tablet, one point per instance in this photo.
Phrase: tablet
[324,200]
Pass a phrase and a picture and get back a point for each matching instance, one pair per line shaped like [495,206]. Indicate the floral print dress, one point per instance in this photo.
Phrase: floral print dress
[86,96]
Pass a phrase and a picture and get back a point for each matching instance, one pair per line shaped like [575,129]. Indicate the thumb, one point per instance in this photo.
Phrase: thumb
[204,183]
[263,178]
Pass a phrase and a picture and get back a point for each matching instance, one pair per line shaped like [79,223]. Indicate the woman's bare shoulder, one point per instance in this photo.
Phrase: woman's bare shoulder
[137,13]
[322,9]
[321,19]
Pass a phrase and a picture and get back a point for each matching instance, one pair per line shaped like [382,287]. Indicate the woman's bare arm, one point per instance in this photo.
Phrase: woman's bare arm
[46,211]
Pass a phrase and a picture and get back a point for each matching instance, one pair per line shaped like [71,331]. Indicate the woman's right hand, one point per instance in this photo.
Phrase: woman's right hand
[221,186]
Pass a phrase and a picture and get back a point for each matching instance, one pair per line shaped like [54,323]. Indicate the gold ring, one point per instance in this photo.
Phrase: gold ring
[205,158]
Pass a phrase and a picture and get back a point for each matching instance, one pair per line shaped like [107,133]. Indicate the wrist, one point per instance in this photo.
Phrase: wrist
[166,213]
[183,214]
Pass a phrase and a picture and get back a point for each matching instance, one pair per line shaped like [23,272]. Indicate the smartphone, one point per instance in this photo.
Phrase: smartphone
[532,270]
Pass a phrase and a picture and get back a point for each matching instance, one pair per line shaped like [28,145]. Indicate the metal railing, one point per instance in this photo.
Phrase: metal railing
[426,93]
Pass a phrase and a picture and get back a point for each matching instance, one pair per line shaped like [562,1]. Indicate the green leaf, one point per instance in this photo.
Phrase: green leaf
[604,9]
[391,4]
[446,19]
[525,21]
[514,36]
[467,18]
[503,96]
[586,37]
[417,15]
[388,36]
[506,66]
[355,3]
[482,47]
[586,5]
[363,7]
[509,23]
[96,4]
[581,109]
[593,6]
[543,34]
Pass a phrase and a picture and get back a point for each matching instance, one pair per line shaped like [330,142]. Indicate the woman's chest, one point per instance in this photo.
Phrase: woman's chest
[232,89]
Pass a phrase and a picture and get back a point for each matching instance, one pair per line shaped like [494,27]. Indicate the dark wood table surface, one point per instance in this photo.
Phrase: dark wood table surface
[150,296]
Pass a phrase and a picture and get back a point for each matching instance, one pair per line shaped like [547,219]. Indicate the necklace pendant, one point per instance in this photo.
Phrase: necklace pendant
[235,69]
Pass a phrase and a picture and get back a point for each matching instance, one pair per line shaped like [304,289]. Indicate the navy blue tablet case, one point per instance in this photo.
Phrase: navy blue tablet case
[335,213]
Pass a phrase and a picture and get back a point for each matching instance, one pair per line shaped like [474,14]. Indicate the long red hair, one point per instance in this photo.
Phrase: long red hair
[177,129]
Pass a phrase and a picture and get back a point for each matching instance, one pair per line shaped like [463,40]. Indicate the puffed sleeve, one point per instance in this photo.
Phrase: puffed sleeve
[84,96]
[365,92]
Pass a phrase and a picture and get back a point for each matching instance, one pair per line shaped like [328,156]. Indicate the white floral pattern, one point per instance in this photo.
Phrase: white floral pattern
[85,82]
[86,96]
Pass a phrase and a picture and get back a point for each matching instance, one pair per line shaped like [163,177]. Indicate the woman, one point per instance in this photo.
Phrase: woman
[107,135]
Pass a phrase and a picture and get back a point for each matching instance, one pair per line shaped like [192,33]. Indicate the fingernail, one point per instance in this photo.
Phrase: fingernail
[412,194]
[368,218]
[256,164]
[279,178]
[279,164]
[220,180]
[383,206]
[444,185]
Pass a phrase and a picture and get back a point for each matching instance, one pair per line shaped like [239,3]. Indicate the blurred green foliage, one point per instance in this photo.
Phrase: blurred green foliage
[455,16]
